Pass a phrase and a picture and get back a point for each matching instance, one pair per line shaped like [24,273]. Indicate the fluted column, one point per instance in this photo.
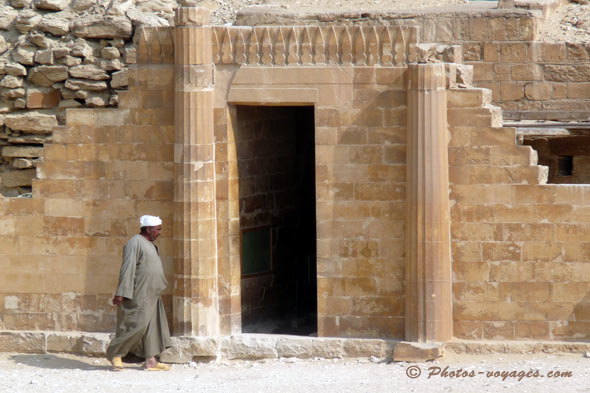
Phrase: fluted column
[195,285]
[428,265]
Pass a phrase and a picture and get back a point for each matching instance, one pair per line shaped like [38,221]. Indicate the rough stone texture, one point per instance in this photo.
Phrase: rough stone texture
[11,82]
[22,163]
[24,54]
[7,17]
[47,75]
[110,52]
[417,352]
[43,98]
[27,20]
[86,343]
[186,349]
[248,347]
[34,122]
[15,69]
[88,71]
[51,5]
[81,84]
[120,79]
[102,27]
[57,27]
[22,151]
[23,342]
[20,178]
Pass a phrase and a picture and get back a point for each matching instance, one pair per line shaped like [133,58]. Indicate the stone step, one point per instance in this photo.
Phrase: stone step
[469,98]
[489,116]
[260,346]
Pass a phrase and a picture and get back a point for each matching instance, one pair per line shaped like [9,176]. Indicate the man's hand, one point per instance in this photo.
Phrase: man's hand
[117,300]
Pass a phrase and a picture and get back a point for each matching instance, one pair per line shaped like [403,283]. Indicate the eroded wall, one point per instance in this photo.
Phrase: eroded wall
[60,250]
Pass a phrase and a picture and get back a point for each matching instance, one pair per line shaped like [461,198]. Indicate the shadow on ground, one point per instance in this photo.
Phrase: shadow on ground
[57,362]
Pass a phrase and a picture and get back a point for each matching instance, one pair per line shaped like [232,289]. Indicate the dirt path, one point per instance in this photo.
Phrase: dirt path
[57,373]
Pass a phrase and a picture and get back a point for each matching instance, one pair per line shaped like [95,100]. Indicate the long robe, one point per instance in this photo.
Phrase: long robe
[142,328]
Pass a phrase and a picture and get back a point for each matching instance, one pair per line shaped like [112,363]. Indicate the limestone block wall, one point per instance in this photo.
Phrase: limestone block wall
[528,78]
[60,250]
[519,252]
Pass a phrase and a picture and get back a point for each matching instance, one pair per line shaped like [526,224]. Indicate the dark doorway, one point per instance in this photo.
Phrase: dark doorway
[276,169]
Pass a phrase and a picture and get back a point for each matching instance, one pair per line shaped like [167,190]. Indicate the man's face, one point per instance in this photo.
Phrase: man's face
[153,232]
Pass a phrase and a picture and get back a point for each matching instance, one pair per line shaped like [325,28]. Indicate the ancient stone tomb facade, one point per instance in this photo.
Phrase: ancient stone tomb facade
[330,179]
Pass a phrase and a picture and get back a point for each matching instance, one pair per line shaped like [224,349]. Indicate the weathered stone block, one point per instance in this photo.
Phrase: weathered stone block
[461,98]
[34,122]
[18,178]
[82,84]
[51,5]
[22,151]
[120,79]
[567,73]
[11,82]
[88,71]
[38,98]
[578,90]
[511,91]
[23,342]
[548,53]
[47,75]
[27,20]
[96,26]
[526,72]
[24,54]
[498,330]
[538,91]
[513,52]
[110,52]
[248,347]
[15,69]
[7,17]
[54,25]
[482,72]
[417,352]
[44,56]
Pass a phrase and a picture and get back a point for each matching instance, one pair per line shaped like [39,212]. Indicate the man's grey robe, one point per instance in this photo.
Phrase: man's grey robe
[142,328]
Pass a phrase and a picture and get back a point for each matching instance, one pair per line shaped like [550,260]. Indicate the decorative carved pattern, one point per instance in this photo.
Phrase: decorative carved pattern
[155,45]
[309,45]
[292,45]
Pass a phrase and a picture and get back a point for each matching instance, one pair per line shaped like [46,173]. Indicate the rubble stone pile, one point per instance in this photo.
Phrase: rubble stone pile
[59,54]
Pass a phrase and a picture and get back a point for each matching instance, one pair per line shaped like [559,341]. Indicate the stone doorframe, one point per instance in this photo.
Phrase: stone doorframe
[206,196]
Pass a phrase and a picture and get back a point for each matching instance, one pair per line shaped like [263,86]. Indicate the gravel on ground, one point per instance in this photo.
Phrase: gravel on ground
[60,373]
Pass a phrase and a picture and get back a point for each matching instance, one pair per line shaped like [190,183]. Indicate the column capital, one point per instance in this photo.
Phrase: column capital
[192,16]
[429,76]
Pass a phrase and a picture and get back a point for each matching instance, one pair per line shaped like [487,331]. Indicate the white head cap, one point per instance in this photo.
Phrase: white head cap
[149,221]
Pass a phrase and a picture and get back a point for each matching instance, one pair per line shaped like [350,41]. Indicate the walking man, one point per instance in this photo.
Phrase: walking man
[141,320]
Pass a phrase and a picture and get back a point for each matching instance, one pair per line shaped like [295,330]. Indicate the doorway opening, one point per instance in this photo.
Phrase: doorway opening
[277,200]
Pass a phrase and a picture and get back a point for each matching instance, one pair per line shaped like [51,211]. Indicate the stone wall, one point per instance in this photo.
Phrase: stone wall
[519,252]
[61,249]
[528,79]
[54,55]
[518,244]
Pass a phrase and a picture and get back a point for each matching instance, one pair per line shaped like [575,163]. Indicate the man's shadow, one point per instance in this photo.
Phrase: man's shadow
[56,362]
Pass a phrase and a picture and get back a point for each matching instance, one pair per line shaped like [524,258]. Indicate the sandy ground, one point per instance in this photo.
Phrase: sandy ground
[58,373]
